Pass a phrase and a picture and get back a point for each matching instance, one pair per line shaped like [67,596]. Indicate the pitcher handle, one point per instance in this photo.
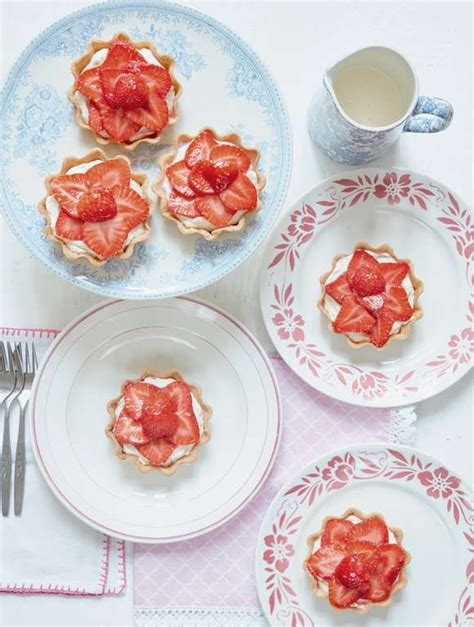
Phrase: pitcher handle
[430,115]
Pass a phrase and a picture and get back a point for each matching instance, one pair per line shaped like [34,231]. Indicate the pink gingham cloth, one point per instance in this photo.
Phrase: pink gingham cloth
[209,580]
[48,550]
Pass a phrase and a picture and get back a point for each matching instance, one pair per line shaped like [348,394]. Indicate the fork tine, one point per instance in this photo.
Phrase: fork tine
[35,360]
[3,358]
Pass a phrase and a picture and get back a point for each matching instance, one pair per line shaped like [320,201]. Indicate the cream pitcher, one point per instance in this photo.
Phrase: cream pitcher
[367,100]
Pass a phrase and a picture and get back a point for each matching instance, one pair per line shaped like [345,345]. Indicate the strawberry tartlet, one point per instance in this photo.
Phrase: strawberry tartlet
[371,296]
[209,184]
[158,422]
[124,92]
[96,208]
[356,561]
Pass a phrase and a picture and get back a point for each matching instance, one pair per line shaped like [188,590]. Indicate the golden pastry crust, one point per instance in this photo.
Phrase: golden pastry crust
[319,591]
[71,162]
[167,62]
[186,459]
[167,159]
[405,327]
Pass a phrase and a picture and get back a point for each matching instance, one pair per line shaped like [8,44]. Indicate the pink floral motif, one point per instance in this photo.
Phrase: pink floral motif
[290,325]
[303,222]
[439,482]
[462,346]
[393,188]
[279,552]
[338,471]
[370,384]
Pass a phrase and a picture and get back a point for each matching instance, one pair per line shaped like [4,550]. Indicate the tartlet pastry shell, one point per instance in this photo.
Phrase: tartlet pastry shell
[70,162]
[405,327]
[319,591]
[78,66]
[191,456]
[167,159]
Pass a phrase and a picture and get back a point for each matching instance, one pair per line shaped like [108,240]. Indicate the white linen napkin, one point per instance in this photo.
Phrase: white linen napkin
[47,550]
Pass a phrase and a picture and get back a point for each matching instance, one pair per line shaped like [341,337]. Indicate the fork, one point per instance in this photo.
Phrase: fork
[7,367]
[25,365]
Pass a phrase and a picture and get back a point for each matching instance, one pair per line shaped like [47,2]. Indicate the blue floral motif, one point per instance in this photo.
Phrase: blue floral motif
[42,120]
[37,129]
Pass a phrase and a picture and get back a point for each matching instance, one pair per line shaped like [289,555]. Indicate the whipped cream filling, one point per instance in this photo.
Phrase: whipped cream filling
[179,451]
[323,584]
[78,246]
[201,222]
[332,307]
[83,103]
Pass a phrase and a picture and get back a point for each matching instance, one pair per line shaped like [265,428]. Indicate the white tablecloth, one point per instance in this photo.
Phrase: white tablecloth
[297,40]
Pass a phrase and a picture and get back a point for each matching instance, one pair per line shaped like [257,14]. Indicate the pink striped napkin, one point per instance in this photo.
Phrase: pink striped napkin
[47,550]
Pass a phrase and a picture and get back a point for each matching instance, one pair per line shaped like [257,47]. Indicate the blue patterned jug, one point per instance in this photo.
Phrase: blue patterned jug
[367,100]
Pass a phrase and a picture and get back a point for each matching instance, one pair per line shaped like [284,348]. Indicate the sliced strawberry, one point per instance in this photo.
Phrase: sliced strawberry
[389,561]
[106,238]
[394,273]
[367,282]
[221,176]
[361,259]
[118,126]
[132,207]
[96,205]
[182,405]
[120,53]
[396,304]
[371,529]
[158,452]
[154,116]
[379,589]
[136,395]
[352,317]
[339,288]
[178,175]
[365,550]
[241,195]
[68,227]
[130,92]
[181,206]
[108,80]
[382,328]
[67,189]
[200,176]
[336,531]
[352,572]
[156,78]
[129,431]
[199,149]
[340,596]
[229,154]
[324,561]
[214,210]
[109,173]
[372,303]
[95,119]
[89,84]
[158,418]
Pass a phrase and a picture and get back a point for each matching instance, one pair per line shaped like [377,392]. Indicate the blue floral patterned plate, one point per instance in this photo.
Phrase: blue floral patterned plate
[224,85]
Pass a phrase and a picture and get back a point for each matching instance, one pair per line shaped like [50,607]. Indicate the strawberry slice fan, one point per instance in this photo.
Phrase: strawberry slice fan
[98,207]
[371,297]
[157,420]
[125,94]
[211,182]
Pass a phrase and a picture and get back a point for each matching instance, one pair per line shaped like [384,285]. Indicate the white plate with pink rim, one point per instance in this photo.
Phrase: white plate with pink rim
[84,369]
[423,221]
[412,491]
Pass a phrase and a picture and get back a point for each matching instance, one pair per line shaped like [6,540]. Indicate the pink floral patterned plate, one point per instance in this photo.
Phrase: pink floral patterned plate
[423,221]
[412,491]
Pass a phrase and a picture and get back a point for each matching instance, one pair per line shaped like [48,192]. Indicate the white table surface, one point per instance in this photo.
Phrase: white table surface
[297,40]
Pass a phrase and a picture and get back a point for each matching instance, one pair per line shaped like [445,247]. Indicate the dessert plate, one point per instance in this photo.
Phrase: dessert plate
[224,84]
[412,491]
[423,221]
[84,369]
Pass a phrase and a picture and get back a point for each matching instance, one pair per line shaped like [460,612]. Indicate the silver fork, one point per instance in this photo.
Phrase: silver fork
[7,367]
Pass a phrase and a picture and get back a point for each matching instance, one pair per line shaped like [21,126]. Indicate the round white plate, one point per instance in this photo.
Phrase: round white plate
[225,85]
[423,221]
[412,491]
[84,369]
